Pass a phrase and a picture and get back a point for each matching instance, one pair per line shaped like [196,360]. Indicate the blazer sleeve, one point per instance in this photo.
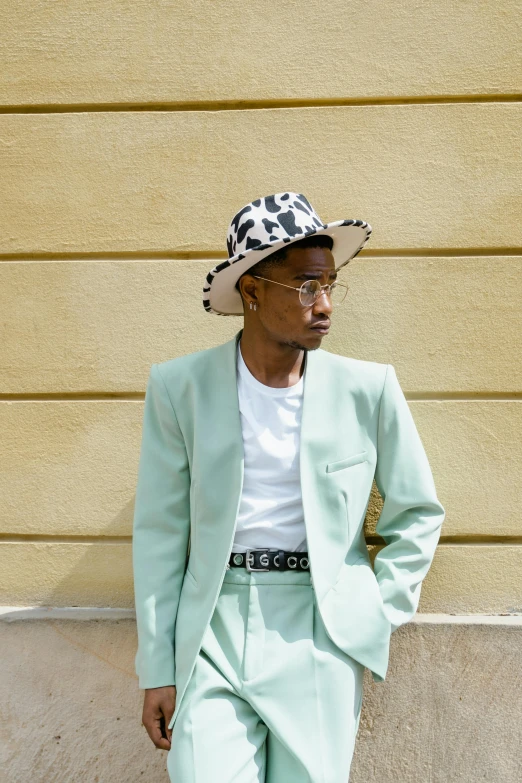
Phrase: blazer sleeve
[161,528]
[411,517]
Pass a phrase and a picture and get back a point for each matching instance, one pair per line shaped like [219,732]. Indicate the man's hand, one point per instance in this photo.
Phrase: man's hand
[158,709]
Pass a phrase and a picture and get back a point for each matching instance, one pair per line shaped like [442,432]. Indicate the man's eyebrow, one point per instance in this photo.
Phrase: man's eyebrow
[313,275]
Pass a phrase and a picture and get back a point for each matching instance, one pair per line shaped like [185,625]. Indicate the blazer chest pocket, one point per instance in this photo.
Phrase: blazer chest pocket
[347,462]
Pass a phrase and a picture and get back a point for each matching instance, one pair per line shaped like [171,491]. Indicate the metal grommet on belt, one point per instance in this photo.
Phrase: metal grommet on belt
[265,559]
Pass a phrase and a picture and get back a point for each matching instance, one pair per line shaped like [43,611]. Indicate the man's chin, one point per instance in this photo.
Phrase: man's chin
[303,347]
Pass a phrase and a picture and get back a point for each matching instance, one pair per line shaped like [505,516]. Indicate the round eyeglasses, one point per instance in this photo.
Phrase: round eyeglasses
[311,290]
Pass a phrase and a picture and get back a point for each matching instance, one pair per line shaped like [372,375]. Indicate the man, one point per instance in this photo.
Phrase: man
[256,602]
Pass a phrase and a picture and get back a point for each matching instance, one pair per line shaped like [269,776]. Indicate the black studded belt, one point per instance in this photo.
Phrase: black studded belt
[270,560]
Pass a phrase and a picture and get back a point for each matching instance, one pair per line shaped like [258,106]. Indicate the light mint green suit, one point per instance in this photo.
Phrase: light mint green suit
[356,426]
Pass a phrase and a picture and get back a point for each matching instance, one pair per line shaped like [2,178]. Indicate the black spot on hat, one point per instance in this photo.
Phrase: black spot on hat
[287,220]
[270,204]
[252,242]
[269,225]
[235,220]
[285,196]
[244,229]
[257,202]
[305,201]
[301,207]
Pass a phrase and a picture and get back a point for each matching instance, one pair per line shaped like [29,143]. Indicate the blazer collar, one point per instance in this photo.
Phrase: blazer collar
[315,389]
[229,361]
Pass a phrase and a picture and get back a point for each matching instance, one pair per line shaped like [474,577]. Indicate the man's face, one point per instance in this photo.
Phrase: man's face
[280,310]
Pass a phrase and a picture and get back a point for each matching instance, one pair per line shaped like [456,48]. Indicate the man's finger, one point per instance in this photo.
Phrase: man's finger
[153,727]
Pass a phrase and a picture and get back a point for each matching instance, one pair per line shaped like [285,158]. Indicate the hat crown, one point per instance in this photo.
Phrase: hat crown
[275,218]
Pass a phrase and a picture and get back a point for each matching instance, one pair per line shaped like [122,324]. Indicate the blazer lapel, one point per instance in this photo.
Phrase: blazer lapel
[318,433]
[220,467]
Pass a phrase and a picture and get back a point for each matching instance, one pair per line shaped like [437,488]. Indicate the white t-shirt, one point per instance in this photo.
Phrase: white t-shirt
[271,509]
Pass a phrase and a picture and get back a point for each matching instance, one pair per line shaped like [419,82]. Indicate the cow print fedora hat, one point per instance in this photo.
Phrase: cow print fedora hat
[264,226]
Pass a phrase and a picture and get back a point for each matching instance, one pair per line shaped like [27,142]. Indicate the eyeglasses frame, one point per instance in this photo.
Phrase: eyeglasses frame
[321,291]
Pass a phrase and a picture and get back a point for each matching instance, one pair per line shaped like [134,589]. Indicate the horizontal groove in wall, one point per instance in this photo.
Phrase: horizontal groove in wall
[434,396]
[201,255]
[79,613]
[469,540]
[21,538]
[249,105]
[455,396]
[74,396]
[139,255]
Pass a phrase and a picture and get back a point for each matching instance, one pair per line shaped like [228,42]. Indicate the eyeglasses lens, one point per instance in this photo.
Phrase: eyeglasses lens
[312,288]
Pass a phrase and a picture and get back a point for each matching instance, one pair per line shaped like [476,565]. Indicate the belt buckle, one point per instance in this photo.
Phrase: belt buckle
[248,561]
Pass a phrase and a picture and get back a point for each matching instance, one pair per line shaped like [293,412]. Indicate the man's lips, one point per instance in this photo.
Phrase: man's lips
[322,326]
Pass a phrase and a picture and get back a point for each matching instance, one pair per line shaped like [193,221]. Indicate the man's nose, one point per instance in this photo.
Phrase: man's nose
[323,303]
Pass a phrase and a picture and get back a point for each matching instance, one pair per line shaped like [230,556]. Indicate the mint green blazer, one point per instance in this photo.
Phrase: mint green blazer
[356,426]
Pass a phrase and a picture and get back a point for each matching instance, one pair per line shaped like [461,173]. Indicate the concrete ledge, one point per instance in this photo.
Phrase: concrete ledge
[450,708]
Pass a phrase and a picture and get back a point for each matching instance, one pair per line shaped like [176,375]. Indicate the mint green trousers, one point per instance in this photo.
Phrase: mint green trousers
[271,698]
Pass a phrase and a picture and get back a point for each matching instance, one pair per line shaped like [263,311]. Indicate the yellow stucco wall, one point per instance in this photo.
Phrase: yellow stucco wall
[131,132]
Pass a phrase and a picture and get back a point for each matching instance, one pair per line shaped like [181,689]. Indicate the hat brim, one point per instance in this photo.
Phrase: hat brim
[222,298]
